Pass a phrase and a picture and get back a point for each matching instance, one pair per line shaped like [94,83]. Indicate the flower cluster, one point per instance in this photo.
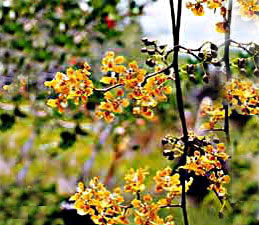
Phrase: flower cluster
[173,147]
[249,8]
[197,6]
[146,212]
[107,207]
[243,96]
[135,181]
[148,96]
[113,68]
[144,90]
[114,103]
[73,85]
[214,111]
[204,158]
[103,206]
[169,182]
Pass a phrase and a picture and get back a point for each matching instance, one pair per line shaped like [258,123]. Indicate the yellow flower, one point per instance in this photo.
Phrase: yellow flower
[197,9]
[135,180]
[214,4]
[249,8]
[221,27]
[52,103]
[99,203]
[74,85]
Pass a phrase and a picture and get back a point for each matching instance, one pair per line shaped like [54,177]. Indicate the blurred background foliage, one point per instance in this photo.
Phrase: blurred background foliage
[44,154]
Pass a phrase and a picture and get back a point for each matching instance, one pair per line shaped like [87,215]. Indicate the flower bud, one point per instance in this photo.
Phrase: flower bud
[213,47]
[216,62]
[151,51]
[214,54]
[205,78]
[168,154]
[150,62]
[241,62]
[192,78]
[201,55]
[243,71]
[256,72]
[144,40]
[190,68]
[216,140]
[147,42]
[162,47]
[164,141]
[144,50]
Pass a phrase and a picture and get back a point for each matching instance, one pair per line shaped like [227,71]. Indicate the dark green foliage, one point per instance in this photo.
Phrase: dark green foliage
[7,121]
[68,139]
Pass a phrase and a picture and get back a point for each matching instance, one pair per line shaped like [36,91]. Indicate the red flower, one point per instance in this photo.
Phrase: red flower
[111,23]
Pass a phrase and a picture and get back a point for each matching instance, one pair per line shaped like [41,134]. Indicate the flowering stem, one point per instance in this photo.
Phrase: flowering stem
[176,22]
[227,65]
[227,40]
[142,84]
[172,206]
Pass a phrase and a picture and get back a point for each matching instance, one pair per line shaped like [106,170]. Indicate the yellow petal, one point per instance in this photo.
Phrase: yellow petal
[107,80]
[52,103]
[221,27]
[119,60]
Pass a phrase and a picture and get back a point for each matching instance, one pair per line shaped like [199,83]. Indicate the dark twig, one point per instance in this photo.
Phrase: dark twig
[227,65]
[142,83]
[176,35]
[172,206]
[108,88]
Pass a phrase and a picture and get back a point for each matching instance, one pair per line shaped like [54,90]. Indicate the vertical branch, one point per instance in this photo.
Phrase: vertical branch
[227,65]
[176,23]
[176,35]
[227,40]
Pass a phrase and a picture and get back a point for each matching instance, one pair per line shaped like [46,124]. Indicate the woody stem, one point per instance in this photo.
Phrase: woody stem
[227,65]
[176,22]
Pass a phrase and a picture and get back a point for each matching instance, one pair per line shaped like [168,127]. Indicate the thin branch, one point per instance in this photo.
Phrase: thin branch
[154,74]
[142,83]
[219,198]
[189,50]
[172,16]
[108,88]
[239,45]
[226,122]
[215,129]
[172,206]
[227,65]
[179,97]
